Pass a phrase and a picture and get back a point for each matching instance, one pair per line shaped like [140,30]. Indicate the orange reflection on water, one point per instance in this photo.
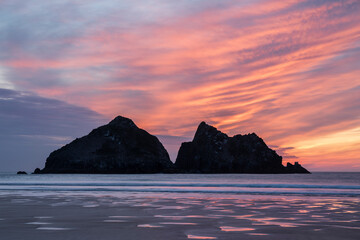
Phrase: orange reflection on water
[199,237]
[235,229]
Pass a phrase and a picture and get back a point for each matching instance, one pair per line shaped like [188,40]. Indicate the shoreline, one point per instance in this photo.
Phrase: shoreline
[317,184]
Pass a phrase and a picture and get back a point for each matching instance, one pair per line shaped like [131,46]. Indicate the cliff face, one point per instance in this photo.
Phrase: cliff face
[118,147]
[212,151]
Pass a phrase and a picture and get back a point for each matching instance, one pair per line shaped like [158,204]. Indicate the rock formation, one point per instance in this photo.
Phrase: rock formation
[296,168]
[21,172]
[121,147]
[212,151]
[118,147]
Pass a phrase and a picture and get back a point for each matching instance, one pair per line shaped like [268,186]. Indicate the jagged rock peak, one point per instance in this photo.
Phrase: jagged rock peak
[207,131]
[296,168]
[205,128]
[122,121]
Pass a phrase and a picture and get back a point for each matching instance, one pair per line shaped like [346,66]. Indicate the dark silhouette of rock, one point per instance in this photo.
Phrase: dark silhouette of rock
[37,171]
[21,172]
[296,168]
[118,147]
[212,151]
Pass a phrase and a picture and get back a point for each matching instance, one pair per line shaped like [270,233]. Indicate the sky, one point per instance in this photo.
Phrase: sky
[287,70]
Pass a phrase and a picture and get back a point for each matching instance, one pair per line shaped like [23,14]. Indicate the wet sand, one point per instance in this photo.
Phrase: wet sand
[181,217]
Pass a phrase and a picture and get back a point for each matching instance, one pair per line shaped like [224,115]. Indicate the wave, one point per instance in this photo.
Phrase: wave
[154,184]
[188,190]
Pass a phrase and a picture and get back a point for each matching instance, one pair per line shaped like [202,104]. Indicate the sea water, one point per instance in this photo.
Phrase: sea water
[334,184]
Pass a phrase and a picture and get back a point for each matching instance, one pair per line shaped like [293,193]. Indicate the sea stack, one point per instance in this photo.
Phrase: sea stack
[212,151]
[118,147]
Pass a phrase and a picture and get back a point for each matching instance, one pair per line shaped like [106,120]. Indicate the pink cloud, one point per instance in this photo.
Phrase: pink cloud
[271,68]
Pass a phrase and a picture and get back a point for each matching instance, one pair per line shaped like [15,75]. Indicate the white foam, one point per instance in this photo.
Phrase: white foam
[91,205]
[53,228]
[148,226]
[38,223]
[115,221]
[43,217]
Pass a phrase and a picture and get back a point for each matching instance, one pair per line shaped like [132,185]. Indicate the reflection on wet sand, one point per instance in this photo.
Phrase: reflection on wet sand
[53,228]
[197,218]
[148,226]
[38,223]
[178,223]
[121,216]
[199,237]
[180,217]
[43,217]
[235,229]
[303,211]
[258,234]
[114,221]
[244,216]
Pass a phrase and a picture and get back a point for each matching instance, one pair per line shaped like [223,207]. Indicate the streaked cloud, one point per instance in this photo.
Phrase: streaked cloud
[287,70]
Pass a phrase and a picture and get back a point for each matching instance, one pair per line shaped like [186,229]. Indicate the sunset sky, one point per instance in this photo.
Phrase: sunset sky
[286,70]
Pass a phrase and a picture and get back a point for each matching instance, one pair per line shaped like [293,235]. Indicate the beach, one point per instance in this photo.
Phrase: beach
[72,209]
[159,217]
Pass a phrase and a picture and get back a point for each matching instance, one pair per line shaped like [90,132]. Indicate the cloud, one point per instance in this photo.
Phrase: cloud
[286,70]
[4,83]
[32,126]
[282,151]
[27,113]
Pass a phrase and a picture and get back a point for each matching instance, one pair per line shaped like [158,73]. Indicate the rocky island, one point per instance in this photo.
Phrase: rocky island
[122,147]
[212,151]
[118,147]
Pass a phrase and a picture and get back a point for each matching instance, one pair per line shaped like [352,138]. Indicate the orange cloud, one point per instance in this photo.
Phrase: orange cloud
[285,70]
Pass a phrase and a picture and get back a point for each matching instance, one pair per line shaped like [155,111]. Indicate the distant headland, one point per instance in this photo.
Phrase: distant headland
[122,147]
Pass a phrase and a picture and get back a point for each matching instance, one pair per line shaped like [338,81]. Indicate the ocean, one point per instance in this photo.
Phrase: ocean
[336,184]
